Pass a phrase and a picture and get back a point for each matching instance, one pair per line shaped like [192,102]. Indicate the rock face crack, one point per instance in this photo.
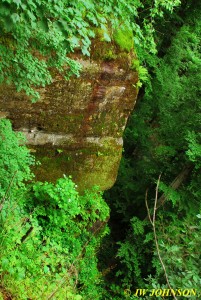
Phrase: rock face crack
[76,127]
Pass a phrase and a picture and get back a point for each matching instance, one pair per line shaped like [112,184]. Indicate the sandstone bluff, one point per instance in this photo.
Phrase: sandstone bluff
[76,127]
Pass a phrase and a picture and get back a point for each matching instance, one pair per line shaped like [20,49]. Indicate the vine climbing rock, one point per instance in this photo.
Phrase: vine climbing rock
[76,127]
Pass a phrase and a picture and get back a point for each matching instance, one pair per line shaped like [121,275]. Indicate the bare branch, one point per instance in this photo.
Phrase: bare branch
[175,184]
[155,235]
[148,212]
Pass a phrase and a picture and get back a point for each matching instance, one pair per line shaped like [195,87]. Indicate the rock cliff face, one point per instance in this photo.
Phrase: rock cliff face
[76,127]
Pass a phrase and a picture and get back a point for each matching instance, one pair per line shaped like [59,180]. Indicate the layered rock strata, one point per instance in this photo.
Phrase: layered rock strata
[76,127]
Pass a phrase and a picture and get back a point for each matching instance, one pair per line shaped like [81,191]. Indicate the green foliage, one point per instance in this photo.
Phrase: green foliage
[38,36]
[142,73]
[194,148]
[180,250]
[15,159]
[163,137]
[49,234]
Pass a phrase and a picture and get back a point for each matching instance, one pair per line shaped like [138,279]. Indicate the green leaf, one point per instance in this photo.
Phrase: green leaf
[46,269]
[31,15]
[15,17]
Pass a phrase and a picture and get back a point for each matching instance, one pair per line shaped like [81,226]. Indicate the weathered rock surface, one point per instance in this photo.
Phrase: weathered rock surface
[76,127]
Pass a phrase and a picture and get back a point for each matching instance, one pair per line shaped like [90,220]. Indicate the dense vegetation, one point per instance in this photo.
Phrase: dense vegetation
[163,138]
[49,233]
[54,242]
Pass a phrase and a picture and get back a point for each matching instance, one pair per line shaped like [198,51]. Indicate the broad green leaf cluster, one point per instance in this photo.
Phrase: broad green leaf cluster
[15,159]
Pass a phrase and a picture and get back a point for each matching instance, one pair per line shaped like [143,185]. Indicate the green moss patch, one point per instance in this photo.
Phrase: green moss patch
[123,37]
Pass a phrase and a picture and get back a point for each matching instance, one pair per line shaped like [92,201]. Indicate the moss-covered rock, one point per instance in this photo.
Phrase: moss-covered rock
[76,127]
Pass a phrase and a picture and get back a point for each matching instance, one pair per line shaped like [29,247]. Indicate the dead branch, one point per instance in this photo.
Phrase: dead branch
[153,223]
[175,184]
